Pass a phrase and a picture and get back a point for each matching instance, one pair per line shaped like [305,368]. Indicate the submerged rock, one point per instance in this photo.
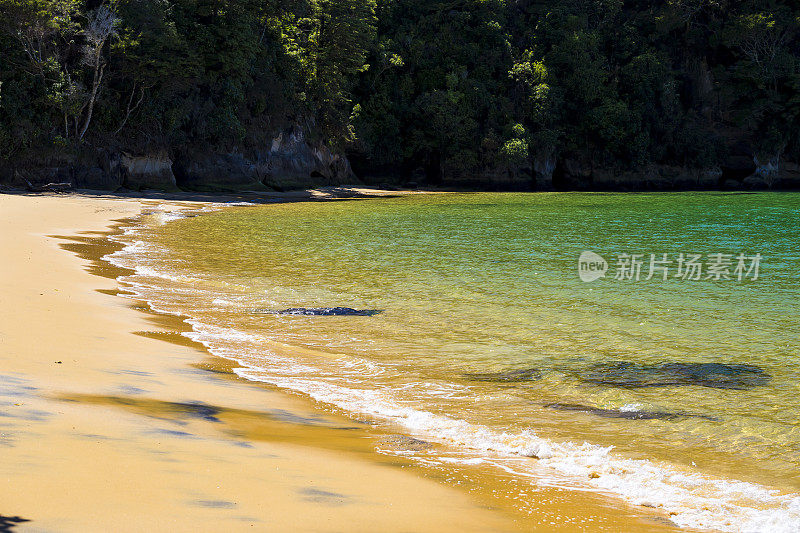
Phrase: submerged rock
[507,376]
[713,375]
[328,311]
[626,414]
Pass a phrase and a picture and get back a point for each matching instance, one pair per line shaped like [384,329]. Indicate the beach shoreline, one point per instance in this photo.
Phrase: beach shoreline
[114,428]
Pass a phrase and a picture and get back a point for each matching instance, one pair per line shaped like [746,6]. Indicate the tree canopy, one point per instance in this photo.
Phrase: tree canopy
[430,88]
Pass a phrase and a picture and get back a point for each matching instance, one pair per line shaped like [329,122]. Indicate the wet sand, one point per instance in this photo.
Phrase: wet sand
[111,420]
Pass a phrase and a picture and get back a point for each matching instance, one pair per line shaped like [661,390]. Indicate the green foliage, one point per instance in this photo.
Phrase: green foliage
[514,152]
[437,85]
[621,83]
[338,45]
[476,87]
[182,74]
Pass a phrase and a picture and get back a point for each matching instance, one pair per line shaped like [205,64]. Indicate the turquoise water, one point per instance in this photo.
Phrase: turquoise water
[676,393]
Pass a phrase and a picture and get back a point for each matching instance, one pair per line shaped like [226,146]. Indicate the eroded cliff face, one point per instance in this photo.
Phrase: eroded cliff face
[289,162]
[293,162]
[148,171]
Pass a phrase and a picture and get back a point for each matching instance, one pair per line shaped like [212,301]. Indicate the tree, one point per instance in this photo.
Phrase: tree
[101,26]
[338,46]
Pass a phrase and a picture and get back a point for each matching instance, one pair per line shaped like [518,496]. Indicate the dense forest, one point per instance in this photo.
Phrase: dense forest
[520,94]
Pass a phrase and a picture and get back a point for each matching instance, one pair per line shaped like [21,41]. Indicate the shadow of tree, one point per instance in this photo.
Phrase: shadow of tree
[8,523]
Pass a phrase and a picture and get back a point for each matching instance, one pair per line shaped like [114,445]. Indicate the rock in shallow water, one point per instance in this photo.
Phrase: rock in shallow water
[328,311]
[626,374]
[628,415]
[714,375]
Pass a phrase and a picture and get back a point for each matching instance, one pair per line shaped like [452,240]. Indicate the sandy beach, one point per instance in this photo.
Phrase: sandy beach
[110,420]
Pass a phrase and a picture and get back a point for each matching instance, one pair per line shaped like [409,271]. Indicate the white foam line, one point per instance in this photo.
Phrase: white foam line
[696,500]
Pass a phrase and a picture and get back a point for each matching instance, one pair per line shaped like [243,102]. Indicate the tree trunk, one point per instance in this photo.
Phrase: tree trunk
[98,78]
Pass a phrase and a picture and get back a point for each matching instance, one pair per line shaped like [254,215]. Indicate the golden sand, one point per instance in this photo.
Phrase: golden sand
[112,421]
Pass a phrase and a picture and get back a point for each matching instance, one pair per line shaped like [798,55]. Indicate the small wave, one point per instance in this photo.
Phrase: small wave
[146,271]
[208,333]
[163,217]
[693,500]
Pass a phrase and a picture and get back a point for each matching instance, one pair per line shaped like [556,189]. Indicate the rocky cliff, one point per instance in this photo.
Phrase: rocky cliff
[289,162]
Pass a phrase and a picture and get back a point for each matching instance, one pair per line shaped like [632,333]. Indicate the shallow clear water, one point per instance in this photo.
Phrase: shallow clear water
[473,287]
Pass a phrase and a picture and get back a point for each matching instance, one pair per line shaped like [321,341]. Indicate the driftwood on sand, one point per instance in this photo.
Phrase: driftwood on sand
[48,187]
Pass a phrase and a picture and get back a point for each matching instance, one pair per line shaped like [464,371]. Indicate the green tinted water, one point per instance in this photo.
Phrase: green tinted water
[488,283]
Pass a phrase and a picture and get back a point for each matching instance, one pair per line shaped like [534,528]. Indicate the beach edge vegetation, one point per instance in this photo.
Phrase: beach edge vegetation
[498,94]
